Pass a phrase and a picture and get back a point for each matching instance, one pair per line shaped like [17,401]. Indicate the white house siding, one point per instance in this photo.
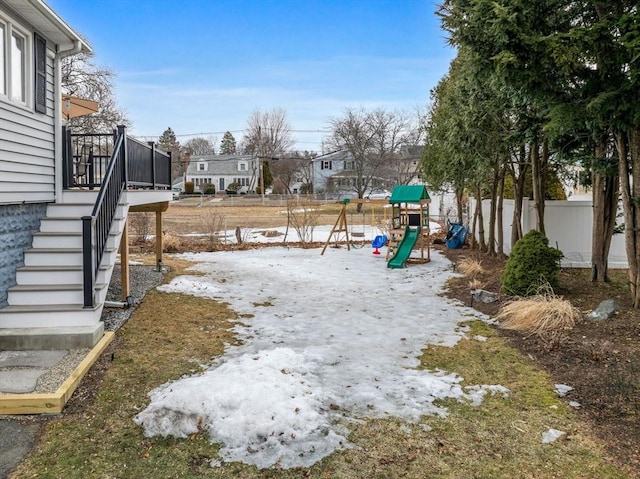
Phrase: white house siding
[27,150]
[222,170]
[26,177]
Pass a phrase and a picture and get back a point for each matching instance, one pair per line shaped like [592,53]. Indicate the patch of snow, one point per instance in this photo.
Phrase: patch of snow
[551,435]
[339,340]
[562,389]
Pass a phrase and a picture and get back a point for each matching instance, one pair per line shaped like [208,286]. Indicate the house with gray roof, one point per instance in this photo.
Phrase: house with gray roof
[223,170]
[337,172]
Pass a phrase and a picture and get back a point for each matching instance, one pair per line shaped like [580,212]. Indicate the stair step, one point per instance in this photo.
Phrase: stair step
[62,256]
[42,338]
[77,210]
[67,224]
[39,316]
[66,274]
[52,256]
[57,239]
[42,294]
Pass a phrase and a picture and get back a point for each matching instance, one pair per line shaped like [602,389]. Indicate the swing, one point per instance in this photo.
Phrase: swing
[357,234]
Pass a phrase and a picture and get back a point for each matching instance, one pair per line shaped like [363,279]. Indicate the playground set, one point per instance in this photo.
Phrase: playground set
[408,226]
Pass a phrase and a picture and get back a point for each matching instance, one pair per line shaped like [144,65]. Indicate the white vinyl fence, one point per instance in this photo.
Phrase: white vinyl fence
[568,226]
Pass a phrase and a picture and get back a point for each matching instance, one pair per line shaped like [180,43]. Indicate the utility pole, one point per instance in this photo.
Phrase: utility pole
[261,166]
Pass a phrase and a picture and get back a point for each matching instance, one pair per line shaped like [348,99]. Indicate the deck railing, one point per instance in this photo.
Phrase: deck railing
[113,163]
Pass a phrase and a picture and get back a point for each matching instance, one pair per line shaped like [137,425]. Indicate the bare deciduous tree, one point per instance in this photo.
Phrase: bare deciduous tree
[268,134]
[291,169]
[201,146]
[82,78]
[302,216]
[374,139]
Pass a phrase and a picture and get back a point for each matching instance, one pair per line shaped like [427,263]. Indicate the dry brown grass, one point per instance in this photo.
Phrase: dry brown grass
[545,315]
[476,284]
[469,267]
[171,243]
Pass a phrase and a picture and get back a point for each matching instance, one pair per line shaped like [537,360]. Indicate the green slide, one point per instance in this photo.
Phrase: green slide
[404,248]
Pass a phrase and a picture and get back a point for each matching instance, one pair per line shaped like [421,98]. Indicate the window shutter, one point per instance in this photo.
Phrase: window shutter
[40,56]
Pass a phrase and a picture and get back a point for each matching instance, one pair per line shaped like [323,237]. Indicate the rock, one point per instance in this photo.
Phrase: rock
[483,296]
[605,310]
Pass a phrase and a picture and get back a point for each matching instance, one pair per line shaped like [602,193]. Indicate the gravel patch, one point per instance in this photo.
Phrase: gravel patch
[141,280]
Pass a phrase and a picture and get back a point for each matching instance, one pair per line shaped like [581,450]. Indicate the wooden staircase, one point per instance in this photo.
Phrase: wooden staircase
[46,305]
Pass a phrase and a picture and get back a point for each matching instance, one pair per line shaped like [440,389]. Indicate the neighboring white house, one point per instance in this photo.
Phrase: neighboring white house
[336,172]
[223,170]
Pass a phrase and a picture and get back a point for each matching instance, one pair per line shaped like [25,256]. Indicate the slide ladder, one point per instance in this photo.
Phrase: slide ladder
[402,253]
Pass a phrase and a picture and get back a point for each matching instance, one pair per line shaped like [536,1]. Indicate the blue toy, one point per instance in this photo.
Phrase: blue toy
[378,242]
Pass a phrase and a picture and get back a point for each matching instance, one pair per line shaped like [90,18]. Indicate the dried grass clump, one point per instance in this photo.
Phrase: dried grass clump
[469,267]
[171,243]
[476,284]
[545,315]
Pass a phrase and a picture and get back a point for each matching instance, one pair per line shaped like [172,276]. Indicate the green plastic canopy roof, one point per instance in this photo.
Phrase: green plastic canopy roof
[409,194]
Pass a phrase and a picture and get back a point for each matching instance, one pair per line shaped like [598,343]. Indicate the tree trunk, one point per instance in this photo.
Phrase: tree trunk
[518,195]
[474,223]
[491,244]
[605,208]
[459,203]
[482,246]
[537,178]
[629,161]
[500,250]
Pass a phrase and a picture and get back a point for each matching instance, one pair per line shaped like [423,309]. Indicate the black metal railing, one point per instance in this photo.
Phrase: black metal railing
[129,164]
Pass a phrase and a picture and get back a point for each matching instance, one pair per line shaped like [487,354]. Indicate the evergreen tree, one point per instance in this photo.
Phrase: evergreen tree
[228,144]
[169,143]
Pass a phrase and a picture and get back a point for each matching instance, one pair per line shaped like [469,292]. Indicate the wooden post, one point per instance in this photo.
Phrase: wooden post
[124,262]
[159,244]
[340,226]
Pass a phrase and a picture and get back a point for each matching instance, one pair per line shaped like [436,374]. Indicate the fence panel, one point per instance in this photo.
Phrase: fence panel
[568,225]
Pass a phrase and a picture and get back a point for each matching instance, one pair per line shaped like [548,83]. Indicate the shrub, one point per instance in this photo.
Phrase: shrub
[188,187]
[208,189]
[232,188]
[532,262]
[141,225]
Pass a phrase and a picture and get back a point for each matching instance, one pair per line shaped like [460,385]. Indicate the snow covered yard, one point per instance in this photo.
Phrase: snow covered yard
[327,340]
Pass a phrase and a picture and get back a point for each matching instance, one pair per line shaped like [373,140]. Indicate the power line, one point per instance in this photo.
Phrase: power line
[232,131]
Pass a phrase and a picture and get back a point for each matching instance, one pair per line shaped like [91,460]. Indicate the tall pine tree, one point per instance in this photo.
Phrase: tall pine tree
[228,144]
[169,143]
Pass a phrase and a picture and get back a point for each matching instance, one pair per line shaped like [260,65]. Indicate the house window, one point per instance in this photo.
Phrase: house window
[242,166]
[15,59]
[18,68]
[242,181]
[3,82]
[202,167]
[325,165]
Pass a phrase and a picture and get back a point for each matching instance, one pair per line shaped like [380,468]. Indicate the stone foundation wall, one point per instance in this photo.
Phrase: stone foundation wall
[18,223]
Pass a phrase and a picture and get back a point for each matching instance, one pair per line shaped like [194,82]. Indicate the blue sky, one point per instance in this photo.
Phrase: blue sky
[202,67]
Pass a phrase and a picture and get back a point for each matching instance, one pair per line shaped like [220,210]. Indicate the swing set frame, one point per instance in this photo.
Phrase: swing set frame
[341,225]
